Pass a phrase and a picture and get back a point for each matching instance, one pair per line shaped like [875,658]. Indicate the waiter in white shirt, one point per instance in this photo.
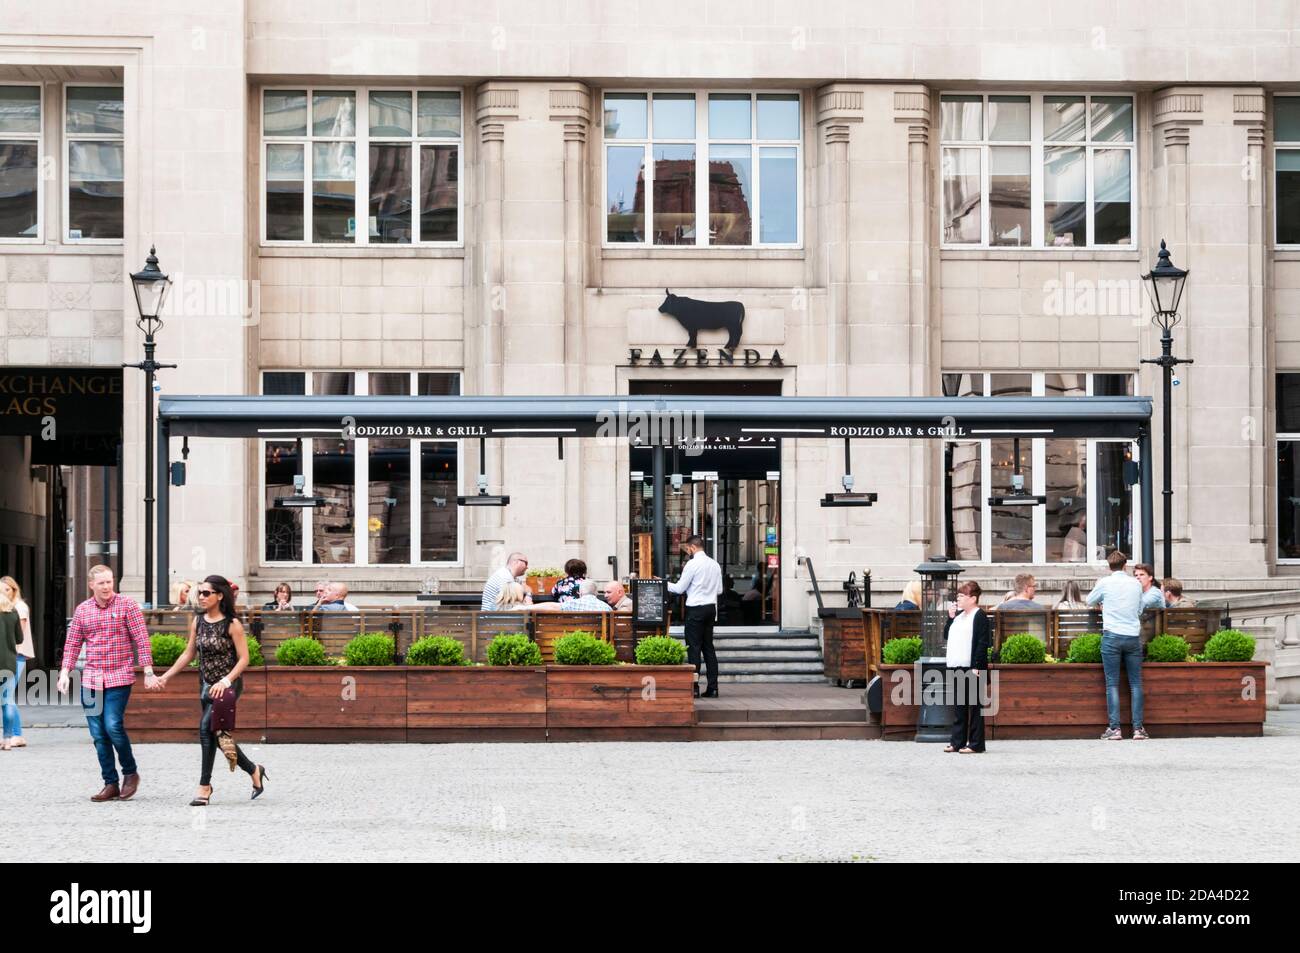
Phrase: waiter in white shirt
[701,580]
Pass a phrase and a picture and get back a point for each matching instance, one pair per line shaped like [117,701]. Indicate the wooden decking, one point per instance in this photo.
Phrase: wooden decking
[757,711]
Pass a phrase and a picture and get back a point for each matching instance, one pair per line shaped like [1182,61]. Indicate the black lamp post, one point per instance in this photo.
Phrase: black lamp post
[150,290]
[938,582]
[1165,287]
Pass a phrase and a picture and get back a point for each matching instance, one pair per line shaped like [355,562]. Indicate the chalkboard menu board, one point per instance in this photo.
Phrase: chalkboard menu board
[649,603]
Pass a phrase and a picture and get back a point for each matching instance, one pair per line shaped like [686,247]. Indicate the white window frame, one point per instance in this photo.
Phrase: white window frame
[701,142]
[1039,482]
[361,480]
[68,139]
[1037,149]
[39,138]
[361,143]
[1279,145]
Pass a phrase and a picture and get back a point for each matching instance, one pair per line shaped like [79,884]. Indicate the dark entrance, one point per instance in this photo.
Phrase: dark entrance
[730,494]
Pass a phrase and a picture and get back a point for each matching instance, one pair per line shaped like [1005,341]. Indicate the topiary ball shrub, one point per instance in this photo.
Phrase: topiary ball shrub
[1086,648]
[1230,645]
[370,648]
[166,648]
[901,651]
[1022,649]
[1167,648]
[583,648]
[514,649]
[255,657]
[660,650]
[301,651]
[436,650]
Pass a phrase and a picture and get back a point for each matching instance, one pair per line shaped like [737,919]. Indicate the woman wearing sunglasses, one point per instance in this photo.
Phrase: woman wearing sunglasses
[217,635]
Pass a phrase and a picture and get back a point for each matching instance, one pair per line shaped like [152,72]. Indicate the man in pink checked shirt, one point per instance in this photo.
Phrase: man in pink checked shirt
[107,624]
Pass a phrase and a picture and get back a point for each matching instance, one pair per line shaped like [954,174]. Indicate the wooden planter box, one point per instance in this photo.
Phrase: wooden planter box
[844,646]
[173,713]
[1067,700]
[610,699]
[336,703]
[451,703]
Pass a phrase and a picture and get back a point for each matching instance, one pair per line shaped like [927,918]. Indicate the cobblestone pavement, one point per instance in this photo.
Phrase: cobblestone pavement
[1167,800]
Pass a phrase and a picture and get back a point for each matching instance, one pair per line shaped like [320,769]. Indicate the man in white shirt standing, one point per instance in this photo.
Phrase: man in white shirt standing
[701,580]
[513,571]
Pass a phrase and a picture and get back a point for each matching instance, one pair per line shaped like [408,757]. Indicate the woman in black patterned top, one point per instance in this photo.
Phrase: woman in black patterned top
[217,635]
[575,570]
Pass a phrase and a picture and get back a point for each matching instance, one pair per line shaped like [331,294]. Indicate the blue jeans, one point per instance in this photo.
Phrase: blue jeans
[108,728]
[13,725]
[1126,650]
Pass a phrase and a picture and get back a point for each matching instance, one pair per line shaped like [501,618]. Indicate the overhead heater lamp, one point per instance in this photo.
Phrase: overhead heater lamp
[848,497]
[483,497]
[300,499]
[1017,496]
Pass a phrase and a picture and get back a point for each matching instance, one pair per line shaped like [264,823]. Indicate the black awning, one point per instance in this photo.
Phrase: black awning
[653,419]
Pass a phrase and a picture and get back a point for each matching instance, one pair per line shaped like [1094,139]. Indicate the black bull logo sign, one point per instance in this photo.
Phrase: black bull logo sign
[696,316]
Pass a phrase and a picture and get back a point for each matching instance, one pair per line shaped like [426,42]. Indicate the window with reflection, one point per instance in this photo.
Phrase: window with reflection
[20,158]
[702,168]
[1286,169]
[94,129]
[1036,170]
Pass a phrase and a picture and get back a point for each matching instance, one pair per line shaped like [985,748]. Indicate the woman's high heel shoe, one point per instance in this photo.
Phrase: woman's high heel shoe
[258,790]
[202,801]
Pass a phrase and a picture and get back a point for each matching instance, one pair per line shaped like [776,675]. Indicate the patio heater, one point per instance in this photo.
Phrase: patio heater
[938,588]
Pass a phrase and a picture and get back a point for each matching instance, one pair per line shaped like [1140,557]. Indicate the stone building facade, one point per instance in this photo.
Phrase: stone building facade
[436,197]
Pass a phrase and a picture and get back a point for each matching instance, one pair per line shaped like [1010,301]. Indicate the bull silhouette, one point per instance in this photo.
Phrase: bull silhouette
[696,316]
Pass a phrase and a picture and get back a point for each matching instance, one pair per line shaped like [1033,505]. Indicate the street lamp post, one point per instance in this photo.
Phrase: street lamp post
[1165,287]
[150,290]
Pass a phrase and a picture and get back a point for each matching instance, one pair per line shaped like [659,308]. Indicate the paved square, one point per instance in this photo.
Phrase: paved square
[1169,800]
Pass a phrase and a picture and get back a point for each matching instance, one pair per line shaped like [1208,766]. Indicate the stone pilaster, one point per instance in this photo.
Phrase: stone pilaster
[1248,113]
[838,108]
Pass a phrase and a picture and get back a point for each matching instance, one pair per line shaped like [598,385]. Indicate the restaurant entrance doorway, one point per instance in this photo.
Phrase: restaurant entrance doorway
[729,493]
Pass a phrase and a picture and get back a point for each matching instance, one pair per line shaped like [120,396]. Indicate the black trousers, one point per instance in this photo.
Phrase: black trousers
[967,717]
[208,739]
[699,640]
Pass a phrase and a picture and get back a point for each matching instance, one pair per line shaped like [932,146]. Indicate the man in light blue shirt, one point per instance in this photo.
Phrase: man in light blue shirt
[1120,596]
[587,600]
[1152,597]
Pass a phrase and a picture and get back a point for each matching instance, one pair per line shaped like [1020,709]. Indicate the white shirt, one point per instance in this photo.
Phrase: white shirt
[701,580]
[960,635]
[492,588]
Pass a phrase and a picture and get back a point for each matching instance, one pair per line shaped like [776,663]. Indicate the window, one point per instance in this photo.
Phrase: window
[1090,506]
[94,126]
[703,169]
[386,501]
[1286,169]
[20,159]
[1037,171]
[1288,466]
[390,158]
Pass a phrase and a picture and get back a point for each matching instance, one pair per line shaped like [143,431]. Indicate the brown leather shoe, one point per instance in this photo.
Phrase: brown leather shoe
[130,784]
[110,793]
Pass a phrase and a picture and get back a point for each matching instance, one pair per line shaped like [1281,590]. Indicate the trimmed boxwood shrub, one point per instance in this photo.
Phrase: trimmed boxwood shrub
[255,658]
[1086,648]
[370,648]
[166,648]
[436,650]
[1230,645]
[301,651]
[583,648]
[901,651]
[514,649]
[1167,648]
[1022,649]
[660,650]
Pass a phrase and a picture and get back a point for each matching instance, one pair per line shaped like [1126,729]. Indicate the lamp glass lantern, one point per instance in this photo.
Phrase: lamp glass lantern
[1164,284]
[938,588]
[151,287]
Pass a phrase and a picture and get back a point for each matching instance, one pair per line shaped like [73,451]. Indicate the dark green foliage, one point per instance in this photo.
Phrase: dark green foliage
[583,648]
[901,651]
[1022,649]
[514,649]
[301,651]
[1230,645]
[1167,648]
[166,648]
[436,650]
[1086,648]
[660,650]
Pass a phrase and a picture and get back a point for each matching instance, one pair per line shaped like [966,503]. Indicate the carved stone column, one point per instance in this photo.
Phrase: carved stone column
[838,107]
[570,104]
[1175,112]
[1248,109]
[912,108]
[496,106]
